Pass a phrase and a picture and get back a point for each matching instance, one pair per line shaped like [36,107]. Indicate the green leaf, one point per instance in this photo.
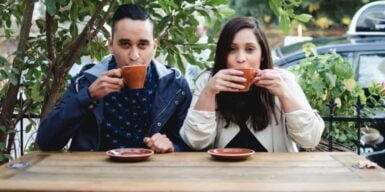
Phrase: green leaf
[303,17]
[51,6]
[35,91]
[164,22]
[172,4]
[284,22]
[8,33]
[73,30]
[275,5]
[204,14]
[3,60]
[180,64]
[342,138]
[217,2]
[74,12]
[12,78]
[28,128]
[3,129]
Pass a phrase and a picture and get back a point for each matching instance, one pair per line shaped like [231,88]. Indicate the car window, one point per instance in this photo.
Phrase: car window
[372,19]
[348,56]
[371,68]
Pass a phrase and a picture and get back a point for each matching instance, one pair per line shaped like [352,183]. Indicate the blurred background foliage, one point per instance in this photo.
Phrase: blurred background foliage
[326,14]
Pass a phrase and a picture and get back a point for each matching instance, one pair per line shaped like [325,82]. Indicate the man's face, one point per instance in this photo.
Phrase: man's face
[133,42]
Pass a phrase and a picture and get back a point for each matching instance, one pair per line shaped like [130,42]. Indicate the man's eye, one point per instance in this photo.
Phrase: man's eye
[142,45]
[124,45]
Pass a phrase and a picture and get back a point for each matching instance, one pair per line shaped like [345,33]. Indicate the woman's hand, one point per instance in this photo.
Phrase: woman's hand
[271,80]
[226,80]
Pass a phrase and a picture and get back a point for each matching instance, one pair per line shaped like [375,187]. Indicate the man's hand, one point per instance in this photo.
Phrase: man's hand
[159,143]
[109,81]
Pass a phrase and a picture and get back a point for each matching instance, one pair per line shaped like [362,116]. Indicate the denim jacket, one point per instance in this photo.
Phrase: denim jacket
[78,119]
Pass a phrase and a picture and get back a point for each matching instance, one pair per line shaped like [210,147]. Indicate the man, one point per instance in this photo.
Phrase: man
[98,112]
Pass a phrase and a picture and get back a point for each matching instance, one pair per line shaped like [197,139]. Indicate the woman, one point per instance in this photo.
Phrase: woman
[274,115]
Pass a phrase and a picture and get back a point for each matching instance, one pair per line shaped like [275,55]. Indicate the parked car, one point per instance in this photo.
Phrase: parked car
[363,46]
[365,53]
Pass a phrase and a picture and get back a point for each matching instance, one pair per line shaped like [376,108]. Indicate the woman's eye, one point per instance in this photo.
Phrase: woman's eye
[250,49]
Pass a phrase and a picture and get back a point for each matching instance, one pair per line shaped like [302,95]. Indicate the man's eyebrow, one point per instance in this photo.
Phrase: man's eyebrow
[124,40]
[146,41]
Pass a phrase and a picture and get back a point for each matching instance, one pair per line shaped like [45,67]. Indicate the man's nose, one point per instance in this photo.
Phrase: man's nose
[134,54]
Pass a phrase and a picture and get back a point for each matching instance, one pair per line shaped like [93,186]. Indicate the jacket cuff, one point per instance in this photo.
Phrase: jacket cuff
[85,100]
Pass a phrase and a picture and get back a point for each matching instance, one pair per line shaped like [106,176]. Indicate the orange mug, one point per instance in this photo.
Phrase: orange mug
[134,76]
[248,74]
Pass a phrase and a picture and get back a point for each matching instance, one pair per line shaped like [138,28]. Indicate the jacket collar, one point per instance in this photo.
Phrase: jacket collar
[98,69]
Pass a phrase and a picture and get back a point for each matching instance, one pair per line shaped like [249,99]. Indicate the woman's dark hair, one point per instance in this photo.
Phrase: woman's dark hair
[257,104]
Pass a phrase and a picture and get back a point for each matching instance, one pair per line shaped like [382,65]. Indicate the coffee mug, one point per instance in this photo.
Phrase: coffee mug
[134,76]
[248,74]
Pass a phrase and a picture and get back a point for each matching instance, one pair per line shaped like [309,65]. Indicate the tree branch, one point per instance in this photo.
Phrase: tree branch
[50,39]
[78,44]
[9,103]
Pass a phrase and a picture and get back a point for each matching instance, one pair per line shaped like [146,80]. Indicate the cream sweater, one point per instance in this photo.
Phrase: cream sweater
[205,129]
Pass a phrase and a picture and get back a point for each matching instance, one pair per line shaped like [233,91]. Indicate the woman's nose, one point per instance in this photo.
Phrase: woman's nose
[241,57]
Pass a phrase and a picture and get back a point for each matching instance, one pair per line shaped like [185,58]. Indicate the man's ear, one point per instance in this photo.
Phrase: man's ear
[110,40]
[155,44]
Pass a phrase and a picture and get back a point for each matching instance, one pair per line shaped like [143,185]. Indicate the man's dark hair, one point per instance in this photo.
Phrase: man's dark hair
[129,11]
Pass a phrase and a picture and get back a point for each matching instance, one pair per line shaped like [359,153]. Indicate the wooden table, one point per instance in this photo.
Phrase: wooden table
[92,171]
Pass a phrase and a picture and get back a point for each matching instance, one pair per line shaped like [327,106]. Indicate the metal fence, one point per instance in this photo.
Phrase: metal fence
[358,120]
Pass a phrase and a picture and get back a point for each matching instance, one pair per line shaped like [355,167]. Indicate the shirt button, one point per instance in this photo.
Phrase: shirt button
[176,102]
[183,93]
[159,124]
[90,106]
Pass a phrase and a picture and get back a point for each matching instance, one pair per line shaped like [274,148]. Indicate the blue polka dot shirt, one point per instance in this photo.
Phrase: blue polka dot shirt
[127,114]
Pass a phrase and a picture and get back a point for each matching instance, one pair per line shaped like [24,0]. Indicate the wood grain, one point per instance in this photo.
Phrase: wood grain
[92,171]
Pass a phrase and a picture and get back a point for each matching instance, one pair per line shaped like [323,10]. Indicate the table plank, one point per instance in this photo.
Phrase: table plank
[92,171]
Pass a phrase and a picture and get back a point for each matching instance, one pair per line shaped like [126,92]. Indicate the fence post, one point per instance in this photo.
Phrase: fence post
[358,124]
[330,138]
[21,127]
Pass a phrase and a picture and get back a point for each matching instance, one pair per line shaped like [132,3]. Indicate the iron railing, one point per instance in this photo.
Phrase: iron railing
[358,119]
[331,119]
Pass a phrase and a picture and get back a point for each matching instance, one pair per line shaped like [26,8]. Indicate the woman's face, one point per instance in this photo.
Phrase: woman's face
[245,51]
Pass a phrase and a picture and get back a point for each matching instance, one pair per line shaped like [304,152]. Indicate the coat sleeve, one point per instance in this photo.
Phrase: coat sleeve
[181,112]
[199,128]
[64,120]
[304,127]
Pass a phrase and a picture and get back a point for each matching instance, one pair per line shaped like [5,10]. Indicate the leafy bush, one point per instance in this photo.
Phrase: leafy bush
[329,77]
